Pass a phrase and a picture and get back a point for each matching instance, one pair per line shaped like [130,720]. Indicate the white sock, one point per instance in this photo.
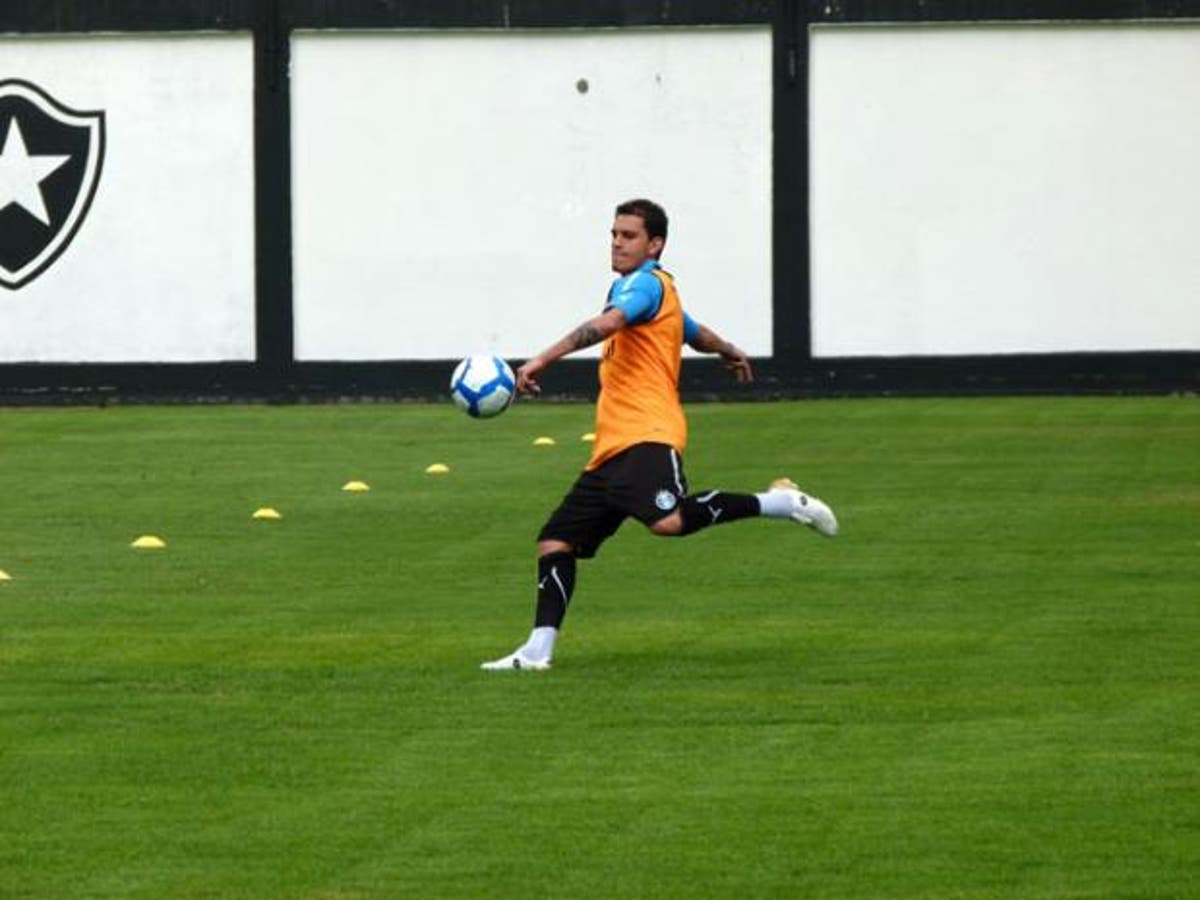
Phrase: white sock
[775,504]
[540,645]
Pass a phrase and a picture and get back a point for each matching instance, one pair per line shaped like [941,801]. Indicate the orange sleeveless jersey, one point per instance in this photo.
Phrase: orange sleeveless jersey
[639,383]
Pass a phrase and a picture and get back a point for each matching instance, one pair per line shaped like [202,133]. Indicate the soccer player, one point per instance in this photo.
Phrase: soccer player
[635,468]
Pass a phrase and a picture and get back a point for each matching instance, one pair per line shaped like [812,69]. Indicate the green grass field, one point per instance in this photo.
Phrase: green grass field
[986,687]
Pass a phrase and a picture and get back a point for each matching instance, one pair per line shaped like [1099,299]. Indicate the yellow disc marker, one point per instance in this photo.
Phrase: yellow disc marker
[266,512]
[589,438]
[148,542]
[356,487]
[437,469]
[4,576]
[543,442]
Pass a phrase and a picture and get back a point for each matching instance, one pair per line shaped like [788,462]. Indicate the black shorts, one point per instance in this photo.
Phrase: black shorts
[646,482]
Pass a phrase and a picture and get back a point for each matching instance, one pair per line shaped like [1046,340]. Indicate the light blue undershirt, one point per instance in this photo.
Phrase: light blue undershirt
[639,295]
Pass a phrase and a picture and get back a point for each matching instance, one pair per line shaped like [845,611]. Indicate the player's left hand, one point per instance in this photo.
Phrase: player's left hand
[738,363]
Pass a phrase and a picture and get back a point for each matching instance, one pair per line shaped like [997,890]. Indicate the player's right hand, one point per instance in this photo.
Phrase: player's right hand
[526,381]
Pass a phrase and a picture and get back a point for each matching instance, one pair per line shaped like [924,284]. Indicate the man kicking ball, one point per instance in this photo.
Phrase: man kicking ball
[636,467]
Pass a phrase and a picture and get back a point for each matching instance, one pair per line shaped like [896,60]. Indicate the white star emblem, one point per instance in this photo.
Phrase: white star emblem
[21,175]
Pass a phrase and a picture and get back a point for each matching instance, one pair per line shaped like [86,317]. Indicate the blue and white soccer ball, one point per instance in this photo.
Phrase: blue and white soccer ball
[483,385]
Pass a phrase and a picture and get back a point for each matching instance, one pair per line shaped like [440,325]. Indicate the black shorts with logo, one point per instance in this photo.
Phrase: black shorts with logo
[646,482]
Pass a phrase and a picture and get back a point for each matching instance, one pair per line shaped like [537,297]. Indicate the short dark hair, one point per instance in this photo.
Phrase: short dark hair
[651,213]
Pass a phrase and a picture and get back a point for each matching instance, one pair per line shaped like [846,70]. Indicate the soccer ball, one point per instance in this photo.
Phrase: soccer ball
[483,385]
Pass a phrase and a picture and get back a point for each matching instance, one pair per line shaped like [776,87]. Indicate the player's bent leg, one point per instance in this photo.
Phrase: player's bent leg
[697,511]
[669,526]
[784,500]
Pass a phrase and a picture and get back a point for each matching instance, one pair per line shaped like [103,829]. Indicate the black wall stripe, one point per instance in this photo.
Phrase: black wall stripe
[273,200]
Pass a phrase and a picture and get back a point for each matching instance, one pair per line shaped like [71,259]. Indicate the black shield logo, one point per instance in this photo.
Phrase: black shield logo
[50,161]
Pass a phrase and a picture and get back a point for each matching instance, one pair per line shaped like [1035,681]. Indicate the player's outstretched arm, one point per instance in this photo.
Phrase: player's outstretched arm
[593,331]
[732,358]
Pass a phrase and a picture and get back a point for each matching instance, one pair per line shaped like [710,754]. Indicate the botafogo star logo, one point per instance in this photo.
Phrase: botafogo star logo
[50,161]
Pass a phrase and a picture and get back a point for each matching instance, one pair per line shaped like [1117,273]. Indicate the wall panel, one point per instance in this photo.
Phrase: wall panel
[161,268]
[454,191]
[1005,189]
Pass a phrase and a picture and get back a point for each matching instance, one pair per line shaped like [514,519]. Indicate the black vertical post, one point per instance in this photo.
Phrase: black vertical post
[275,342]
[790,245]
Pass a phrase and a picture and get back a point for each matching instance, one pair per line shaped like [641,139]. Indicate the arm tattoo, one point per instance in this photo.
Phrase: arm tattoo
[585,335]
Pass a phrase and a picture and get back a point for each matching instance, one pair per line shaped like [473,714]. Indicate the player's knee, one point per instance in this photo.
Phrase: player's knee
[545,548]
[668,526]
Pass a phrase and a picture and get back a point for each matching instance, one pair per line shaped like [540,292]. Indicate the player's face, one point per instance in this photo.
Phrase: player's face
[631,245]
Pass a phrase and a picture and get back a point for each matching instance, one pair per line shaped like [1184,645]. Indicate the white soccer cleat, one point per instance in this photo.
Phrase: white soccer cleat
[808,510]
[515,661]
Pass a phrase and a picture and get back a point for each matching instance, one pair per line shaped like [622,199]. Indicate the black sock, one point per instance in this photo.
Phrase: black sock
[715,508]
[556,583]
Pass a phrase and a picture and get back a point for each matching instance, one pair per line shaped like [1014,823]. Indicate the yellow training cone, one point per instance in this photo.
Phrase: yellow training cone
[4,576]
[437,469]
[148,542]
[590,437]
[266,512]
[356,487]
[543,442]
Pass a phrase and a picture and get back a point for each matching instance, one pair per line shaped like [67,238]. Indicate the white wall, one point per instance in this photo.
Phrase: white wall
[453,191]
[974,189]
[162,268]
[994,189]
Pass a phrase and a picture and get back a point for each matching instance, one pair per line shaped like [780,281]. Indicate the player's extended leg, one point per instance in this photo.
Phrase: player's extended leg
[575,530]
[784,500]
[556,583]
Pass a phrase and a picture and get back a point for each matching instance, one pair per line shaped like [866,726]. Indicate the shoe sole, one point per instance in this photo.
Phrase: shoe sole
[829,529]
[825,529]
[516,666]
